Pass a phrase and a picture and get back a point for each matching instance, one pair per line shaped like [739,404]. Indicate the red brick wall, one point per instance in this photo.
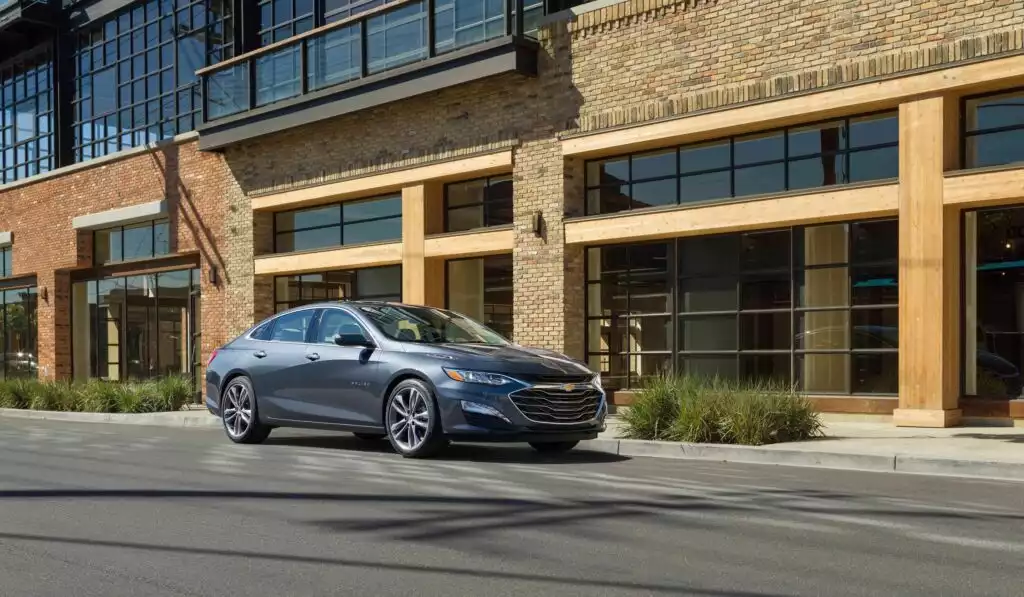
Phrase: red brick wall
[197,187]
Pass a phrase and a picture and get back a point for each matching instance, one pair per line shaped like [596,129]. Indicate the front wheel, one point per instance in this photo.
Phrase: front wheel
[238,413]
[553,447]
[412,421]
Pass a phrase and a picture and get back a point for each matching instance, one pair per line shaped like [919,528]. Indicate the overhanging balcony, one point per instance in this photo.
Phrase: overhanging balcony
[24,23]
[397,50]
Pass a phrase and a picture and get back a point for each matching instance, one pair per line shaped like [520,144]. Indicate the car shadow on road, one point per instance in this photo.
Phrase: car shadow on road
[1010,438]
[497,453]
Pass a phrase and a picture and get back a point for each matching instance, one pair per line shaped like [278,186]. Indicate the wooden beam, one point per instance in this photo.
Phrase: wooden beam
[330,259]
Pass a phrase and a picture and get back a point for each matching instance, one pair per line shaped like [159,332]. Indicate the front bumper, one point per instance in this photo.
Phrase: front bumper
[506,421]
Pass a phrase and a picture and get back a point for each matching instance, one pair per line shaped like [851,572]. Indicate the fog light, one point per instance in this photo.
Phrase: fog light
[480,409]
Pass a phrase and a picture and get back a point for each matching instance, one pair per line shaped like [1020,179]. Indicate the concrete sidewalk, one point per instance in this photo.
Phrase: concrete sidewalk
[990,452]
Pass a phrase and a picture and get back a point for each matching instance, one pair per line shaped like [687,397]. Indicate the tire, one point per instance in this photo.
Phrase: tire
[417,433]
[238,394]
[370,437]
[553,447]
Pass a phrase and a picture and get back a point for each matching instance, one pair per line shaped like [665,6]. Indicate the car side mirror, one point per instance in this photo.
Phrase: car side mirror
[353,340]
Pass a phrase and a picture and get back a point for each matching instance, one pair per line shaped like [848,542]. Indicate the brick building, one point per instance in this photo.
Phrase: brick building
[822,192]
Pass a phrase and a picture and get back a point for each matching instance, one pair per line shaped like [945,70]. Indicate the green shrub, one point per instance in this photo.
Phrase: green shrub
[654,409]
[98,396]
[713,410]
[53,395]
[176,391]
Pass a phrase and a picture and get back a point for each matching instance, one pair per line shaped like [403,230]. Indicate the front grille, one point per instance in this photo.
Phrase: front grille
[563,378]
[550,405]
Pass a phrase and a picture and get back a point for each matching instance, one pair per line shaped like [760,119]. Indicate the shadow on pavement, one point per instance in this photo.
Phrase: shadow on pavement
[504,453]
[567,581]
[1011,438]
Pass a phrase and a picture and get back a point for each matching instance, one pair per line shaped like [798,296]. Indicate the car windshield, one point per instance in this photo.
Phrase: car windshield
[427,325]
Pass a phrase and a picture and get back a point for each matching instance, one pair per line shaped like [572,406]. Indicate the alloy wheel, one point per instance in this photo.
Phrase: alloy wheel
[238,411]
[409,419]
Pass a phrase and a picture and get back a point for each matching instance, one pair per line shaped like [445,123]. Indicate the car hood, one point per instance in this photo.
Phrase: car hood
[506,359]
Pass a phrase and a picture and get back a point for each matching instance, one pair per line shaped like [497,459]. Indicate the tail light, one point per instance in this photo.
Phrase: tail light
[213,355]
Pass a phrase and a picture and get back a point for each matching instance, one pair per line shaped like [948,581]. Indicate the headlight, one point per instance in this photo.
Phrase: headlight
[490,379]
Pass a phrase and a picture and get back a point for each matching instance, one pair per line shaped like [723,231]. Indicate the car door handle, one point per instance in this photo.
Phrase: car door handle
[313,356]
[259,354]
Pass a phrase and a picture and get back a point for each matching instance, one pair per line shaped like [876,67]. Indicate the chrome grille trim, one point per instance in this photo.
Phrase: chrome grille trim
[552,404]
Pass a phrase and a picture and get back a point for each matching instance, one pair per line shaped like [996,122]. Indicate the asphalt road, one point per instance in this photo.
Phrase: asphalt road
[112,510]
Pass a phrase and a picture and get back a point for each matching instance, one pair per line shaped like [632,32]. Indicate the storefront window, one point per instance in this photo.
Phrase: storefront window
[814,306]
[993,303]
[136,327]
[481,288]
[18,332]
[478,203]
[349,223]
[371,283]
[993,130]
[126,243]
[846,150]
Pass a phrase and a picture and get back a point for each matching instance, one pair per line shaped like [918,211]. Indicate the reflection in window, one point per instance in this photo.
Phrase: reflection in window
[26,118]
[136,327]
[396,37]
[812,306]
[135,80]
[371,283]
[478,203]
[846,150]
[993,130]
[281,19]
[136,241]
[993,303]
[18,326]
[481,289]
[349,223]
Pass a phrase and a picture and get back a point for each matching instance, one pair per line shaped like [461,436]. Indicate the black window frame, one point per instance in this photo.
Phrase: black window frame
[674,278]
[341,224]
[28,286]
[966,134]
[27,78]
[484,204]
[152,224]
[7,261]
[785,161]
[283,305]
[153,97]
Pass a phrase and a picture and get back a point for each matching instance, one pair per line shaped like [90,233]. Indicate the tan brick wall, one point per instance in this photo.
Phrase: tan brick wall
[645,59]
[205,206]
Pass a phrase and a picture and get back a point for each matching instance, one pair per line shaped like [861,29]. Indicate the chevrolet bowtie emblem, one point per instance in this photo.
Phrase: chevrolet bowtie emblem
[569,387]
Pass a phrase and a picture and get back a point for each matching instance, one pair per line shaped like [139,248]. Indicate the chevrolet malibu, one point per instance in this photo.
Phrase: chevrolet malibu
[419,376]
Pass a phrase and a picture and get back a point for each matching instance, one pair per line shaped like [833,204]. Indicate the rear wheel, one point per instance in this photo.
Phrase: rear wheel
[553,447]
[412,421]
[238,413]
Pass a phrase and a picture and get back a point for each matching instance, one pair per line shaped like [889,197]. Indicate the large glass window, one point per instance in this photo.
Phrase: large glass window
[136,241]
[26,117]
[348,223]
[812,306]
[845,150]
[135,80]
[371,283]
[993,300]
[478,203]
[481,288]
[993,130]
[18,327]
[136,327]
[6,261]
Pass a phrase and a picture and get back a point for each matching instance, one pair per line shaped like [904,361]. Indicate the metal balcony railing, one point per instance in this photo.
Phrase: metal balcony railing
[391,35]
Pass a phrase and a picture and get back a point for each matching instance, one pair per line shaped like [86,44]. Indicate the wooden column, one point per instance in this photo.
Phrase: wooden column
[422,278]
[929,276]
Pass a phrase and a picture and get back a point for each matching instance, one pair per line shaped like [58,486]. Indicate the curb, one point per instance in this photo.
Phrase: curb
[883,463]
[192,418]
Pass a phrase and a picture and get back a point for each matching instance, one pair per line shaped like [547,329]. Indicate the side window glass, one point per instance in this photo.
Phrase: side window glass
[262,332]
[293,326]
[336,322]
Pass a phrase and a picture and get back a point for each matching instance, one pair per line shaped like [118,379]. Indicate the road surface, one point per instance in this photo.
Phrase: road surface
[112,510]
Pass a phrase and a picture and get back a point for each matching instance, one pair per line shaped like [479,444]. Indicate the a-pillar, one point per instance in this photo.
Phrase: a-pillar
[929,249]
[422,278]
